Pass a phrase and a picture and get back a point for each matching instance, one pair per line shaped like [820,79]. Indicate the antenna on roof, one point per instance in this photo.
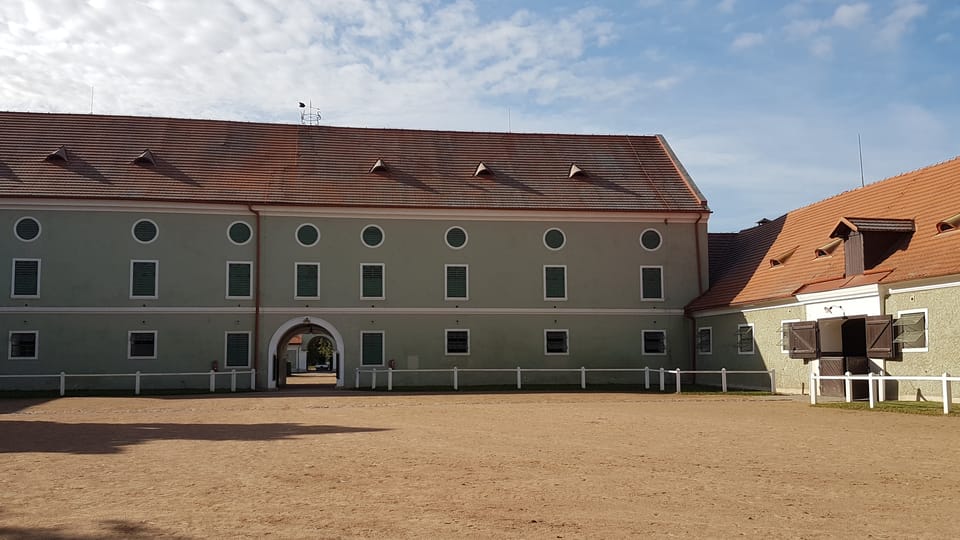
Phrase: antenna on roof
[860,149]
[309,115]
[91,99]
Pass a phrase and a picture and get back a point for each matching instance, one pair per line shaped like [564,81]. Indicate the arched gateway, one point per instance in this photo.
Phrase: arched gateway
[301,325]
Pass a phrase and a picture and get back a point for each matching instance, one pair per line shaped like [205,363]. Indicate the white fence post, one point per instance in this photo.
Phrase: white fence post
[233,380]
[357,381]
[848,386]
[870,393]
[213,381]
[678,379]
[947,397]
[661,380]
[63,383]
[773,381]
[881,387]
[136,385]
[253,379]
[723,380]
[373,379]
[583,378]
[389,379]
[518,377]
[813,386]
[646,377]
[456,378]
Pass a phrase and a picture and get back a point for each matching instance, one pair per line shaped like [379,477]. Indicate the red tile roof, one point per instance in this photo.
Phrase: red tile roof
[238,162]
[927,196]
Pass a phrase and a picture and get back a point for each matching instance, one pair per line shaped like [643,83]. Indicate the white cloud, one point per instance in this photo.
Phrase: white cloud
[822,47]
[850,15]
[945,37]
[726,6]
[900,22]
[746,41]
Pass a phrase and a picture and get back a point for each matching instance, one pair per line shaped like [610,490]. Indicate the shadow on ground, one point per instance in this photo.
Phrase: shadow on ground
[111,438]
[114,528]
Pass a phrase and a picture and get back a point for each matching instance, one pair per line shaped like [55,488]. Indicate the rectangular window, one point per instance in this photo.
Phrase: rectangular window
[785,335]
[371,281]
[456,284]
[143,344]
[556,342]
[911,330]
[23,345]
[143,279]
[237,350]
[458,341]
[651,283]
[371,348]
[745,339]
[308,280]
[554,282]
[239,279]
[26,278]
[705,340]
[655,342]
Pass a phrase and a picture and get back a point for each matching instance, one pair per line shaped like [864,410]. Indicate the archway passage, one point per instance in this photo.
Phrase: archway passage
[305,352]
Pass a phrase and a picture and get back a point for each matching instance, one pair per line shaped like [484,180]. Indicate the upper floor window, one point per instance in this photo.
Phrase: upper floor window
[554,239]
[307,235]
[143,279]
[457,285]
[651,283]
[27,229]
[26,278]
[456,237]
[308,280]
[554,282]
[651,240]
[372,236]
[239,282]
[371,281]
[239,233]
[145,231]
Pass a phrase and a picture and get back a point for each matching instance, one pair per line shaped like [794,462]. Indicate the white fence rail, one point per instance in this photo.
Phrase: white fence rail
[660,372]
[876,390]
[138,375]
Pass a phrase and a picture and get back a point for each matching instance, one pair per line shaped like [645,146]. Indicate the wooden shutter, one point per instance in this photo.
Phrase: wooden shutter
[239,276]
[307,280]
[803,339]
[26,278]
[555,282]
[372,281]
[238,350]
[456,282]
[880,336]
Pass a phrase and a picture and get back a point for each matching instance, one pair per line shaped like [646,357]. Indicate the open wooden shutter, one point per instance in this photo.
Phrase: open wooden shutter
[880,336]
[803,339]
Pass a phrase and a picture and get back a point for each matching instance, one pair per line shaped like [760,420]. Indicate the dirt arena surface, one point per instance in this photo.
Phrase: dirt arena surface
[504,465]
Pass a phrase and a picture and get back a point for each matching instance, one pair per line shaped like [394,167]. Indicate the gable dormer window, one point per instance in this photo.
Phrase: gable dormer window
[60,154]
[146,158]
[482,169]
[379,166]
[952,223]
[867,242]
[575,170]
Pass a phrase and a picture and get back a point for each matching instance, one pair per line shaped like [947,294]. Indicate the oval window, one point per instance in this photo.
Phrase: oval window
[456,237]
[372,236]
[650,239]
[27,229]
[145,231]
[239,233]
[554,239]
[307,235]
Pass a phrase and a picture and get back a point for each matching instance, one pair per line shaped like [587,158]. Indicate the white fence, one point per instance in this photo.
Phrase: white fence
[661,373]
[138,375]
[876,390]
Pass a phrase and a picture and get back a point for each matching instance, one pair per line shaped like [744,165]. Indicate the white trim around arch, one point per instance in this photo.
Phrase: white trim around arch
[303,321]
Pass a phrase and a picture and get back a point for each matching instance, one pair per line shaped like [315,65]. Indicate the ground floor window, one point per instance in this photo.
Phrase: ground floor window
[705,340]
[654,342]
[23,345]
[143,344]
[237,354]
[745,343]
[371,348]
[556,341]
[911,327]
[458,341]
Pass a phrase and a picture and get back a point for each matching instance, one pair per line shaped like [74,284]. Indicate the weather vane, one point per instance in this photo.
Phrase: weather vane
[309,115]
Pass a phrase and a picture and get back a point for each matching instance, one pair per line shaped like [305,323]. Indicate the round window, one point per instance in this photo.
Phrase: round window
[239,233]
[372,236]
[145,231]
[456,237]
[307,235]
[554,239]
[650,240]
[27,229]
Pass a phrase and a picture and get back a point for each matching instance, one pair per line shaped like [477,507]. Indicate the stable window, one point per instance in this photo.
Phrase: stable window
[237,350]
[654,342]
[554,282]
[456,282]
[143,279]
[458,342]
[308,280]
[705,340]
[556,342]
[25,282]
[239,279]
[651,283]
[745,343]
[911,330]
[371,348]
[371,281]
[785,335]
[23,345]
[143,344]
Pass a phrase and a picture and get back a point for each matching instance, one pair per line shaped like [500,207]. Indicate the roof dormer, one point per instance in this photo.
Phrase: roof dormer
[867,242]
[379,166]
[575,170]
[779,260]
[482,169]
[952,223]
[827,249]
[60,154]
[146,158]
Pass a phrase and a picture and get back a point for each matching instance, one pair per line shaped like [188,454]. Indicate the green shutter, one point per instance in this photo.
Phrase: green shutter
[456,282]
[26,278]
[555,281]
[652,283]
[238,275]
[372,281]
[372,349]
[238,350]
[144,279]
[307,275]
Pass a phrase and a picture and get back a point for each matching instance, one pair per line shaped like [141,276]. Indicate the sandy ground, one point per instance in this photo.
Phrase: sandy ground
[509,465]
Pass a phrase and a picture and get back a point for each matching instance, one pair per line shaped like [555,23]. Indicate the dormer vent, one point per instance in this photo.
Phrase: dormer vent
[378,166]
[60,154]
[482,169]
[950,224]
[146,158]
[827,249]
[575,170]
[779,260]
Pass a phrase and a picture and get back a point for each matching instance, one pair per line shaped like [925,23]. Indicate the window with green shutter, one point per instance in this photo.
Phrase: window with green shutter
[371,276]
[308,280]
[371,348]
[651,283]
[23,345]
[238,350]
[143,344]
[458,342]
[555,282]
[239,279]
[556,342]
[457,288]
[26,278]
[654,342]
[143,279]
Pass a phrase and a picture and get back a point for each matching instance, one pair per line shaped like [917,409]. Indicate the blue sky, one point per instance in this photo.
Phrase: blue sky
[762,101]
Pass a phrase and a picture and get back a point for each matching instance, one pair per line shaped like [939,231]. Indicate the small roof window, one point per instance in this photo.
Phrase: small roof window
[60,154]
[145,158]
[779,260]
[482,169]
[827,249]
[378,166]
[575,170]
[950,224]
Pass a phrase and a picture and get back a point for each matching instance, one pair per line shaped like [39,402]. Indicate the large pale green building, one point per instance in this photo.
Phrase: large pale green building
[172,245]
